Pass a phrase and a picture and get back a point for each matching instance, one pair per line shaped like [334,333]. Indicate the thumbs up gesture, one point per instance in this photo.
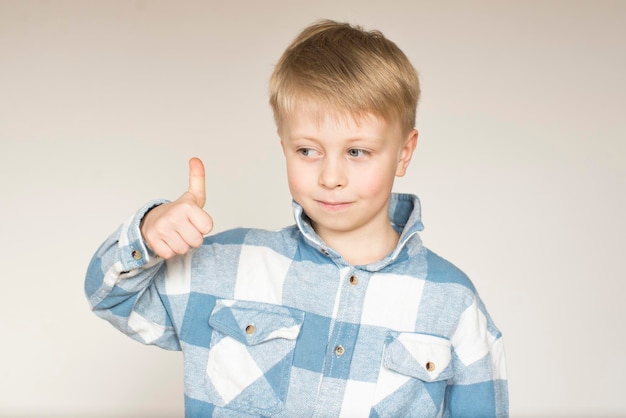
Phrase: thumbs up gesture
[176,227]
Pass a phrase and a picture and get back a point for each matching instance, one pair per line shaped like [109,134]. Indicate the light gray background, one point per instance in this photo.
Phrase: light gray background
[520,168]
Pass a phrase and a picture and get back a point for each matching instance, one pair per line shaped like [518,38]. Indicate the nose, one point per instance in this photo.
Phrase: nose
[333,173]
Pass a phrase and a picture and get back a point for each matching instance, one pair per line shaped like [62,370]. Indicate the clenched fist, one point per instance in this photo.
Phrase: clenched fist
[176,227]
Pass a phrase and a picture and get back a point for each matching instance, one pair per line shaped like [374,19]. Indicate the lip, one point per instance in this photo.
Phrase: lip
[333,206]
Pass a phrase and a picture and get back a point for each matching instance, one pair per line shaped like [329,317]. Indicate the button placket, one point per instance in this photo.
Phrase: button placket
[344,335]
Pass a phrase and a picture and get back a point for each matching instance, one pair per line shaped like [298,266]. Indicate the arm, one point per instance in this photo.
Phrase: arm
[479,388]
[126,276]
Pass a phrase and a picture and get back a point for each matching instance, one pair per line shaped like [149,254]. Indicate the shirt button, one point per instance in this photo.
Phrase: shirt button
[324,251]
[354,280]
[339,351]
[250,329]
[430,366]
[136,254]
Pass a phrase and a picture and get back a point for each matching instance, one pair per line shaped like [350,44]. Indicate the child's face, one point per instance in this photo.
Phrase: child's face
[341,170]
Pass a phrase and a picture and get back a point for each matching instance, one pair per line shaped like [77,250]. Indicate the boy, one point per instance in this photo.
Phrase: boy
[344,314]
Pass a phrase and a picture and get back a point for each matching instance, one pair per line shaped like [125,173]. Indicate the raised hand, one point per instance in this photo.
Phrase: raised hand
[176,227]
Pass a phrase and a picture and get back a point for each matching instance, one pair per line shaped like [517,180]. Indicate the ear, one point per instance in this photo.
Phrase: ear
[406,153]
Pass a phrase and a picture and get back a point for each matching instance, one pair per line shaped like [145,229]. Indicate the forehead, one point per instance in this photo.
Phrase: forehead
[317,115]
[340,129]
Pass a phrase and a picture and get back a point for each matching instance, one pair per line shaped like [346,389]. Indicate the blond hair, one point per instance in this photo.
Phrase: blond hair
[345,68]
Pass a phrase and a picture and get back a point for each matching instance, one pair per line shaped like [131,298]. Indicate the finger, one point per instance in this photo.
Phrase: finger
[190,235]
[177,244]
[201,220]
[161,249]
[196,181]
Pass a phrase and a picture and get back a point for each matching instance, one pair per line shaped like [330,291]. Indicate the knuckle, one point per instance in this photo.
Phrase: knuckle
[197,242]
[166,253]
[182,250]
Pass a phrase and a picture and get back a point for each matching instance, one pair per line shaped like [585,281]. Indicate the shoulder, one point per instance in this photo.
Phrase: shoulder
[462,299]
[440,270]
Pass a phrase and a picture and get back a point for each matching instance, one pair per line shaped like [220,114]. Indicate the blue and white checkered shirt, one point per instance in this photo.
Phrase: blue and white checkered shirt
[278,324]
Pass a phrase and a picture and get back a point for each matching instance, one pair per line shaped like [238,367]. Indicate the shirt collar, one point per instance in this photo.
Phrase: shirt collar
[404,215]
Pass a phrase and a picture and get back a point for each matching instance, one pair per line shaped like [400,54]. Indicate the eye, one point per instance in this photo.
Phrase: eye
[307,152]
[358,153]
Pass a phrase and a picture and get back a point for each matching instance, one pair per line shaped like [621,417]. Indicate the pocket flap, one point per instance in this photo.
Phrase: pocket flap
[254,322]
[422,356]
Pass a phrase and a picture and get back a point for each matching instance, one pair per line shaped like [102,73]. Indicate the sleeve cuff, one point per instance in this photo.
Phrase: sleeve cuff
[134,252]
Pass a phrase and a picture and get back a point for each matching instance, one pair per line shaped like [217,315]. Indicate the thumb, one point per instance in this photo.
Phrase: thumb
[196,181]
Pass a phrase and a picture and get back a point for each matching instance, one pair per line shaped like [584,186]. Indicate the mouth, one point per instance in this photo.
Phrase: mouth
[333,206]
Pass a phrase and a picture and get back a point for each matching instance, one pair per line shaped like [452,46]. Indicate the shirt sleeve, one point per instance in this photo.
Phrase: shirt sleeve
[121,285]
[479,387]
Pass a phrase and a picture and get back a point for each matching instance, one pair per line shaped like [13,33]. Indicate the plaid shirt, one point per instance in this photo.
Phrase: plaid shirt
[278,324]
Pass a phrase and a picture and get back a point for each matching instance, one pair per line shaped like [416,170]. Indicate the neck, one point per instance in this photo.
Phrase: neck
[362,247]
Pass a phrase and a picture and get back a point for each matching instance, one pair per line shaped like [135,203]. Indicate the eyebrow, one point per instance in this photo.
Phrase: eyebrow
[305,137]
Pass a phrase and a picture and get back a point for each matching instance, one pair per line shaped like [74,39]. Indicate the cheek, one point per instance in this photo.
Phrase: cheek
[372,186]
[296,178]
[377,180]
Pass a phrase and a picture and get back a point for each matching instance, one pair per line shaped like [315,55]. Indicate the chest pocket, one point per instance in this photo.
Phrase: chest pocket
[413,375]
[251,354]
[422,356]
